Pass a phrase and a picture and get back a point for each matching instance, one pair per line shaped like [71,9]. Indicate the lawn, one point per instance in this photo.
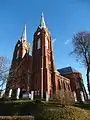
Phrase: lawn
[44,111]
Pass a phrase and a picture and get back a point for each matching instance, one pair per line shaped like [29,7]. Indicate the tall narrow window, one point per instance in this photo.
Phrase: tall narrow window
[46,43]
[59,87]
[68,87]
[38,33]
[38,44]
[17,54]
[64,86]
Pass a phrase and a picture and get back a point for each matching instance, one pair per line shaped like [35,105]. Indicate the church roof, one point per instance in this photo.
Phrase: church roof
[68,70]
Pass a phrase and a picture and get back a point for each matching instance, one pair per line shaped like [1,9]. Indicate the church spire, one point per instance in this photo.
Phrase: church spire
[42,22]
[24,35]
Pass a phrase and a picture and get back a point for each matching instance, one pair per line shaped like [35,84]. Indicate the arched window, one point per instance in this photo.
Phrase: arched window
[17,54]
[38,33]
[59,87]
[69,87]
[64,86]
[46,43]
[38,44]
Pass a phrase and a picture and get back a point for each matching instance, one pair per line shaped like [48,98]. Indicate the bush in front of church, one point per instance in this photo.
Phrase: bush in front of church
[63,97]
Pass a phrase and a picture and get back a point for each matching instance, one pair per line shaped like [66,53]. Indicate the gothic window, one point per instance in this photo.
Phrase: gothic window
[38,44]
[38,33]
[68,87]
[50,67]
[50,77]
[77,84]
[48,57]
[64,86]
[17,54]
[18,45]
[59,87]
[46,43]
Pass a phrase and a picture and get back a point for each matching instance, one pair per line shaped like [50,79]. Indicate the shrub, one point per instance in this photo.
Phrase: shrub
[63,97]
[5,98]
[65,113]
[17,118]
[37,101]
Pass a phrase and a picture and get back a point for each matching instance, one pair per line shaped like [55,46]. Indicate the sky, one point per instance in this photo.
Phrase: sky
[64,18]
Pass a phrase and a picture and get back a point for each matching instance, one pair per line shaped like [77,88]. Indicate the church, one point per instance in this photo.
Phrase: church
[37,72]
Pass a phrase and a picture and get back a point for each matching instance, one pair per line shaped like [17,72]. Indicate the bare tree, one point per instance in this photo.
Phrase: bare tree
[81,48]
[4,69]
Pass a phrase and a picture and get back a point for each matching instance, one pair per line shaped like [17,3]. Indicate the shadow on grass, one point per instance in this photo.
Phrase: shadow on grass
[11,108]
[85,106]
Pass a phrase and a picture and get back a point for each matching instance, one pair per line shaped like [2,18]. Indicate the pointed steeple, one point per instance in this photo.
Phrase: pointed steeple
[42,22]
[24,35]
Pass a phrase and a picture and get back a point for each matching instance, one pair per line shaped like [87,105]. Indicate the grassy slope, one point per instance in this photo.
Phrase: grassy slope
[45,111]
[66,113]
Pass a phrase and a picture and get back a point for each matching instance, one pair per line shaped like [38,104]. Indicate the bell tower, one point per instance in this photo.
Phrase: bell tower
[43,69]
[20,71]
[22,47]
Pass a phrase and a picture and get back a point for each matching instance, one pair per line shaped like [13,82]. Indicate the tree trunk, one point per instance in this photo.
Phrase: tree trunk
[88,82]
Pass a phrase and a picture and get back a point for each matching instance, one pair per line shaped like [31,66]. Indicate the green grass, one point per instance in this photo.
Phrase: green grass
[65,113]
[45,111]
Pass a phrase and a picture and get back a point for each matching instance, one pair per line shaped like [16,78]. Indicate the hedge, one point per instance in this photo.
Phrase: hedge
[17,118]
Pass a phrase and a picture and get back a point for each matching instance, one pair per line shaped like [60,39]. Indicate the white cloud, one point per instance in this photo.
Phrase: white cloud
[53,40]
[67,41]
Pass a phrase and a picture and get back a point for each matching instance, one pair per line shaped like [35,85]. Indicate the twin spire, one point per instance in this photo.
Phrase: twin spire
[24,35]
[42,25]
[42,22]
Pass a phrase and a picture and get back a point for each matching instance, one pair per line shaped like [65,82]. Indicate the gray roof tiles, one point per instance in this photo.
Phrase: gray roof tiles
[67,70]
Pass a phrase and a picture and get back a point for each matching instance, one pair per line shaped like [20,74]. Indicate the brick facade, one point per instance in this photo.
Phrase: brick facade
[37,72]
[76,82]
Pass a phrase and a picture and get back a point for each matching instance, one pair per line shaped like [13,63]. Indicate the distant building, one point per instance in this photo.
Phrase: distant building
[76,83]
[37,72]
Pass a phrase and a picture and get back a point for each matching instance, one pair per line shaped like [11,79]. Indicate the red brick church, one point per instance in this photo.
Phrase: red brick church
[37,72]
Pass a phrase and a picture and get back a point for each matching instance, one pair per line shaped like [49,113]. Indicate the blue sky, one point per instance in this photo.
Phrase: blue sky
[63,18]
